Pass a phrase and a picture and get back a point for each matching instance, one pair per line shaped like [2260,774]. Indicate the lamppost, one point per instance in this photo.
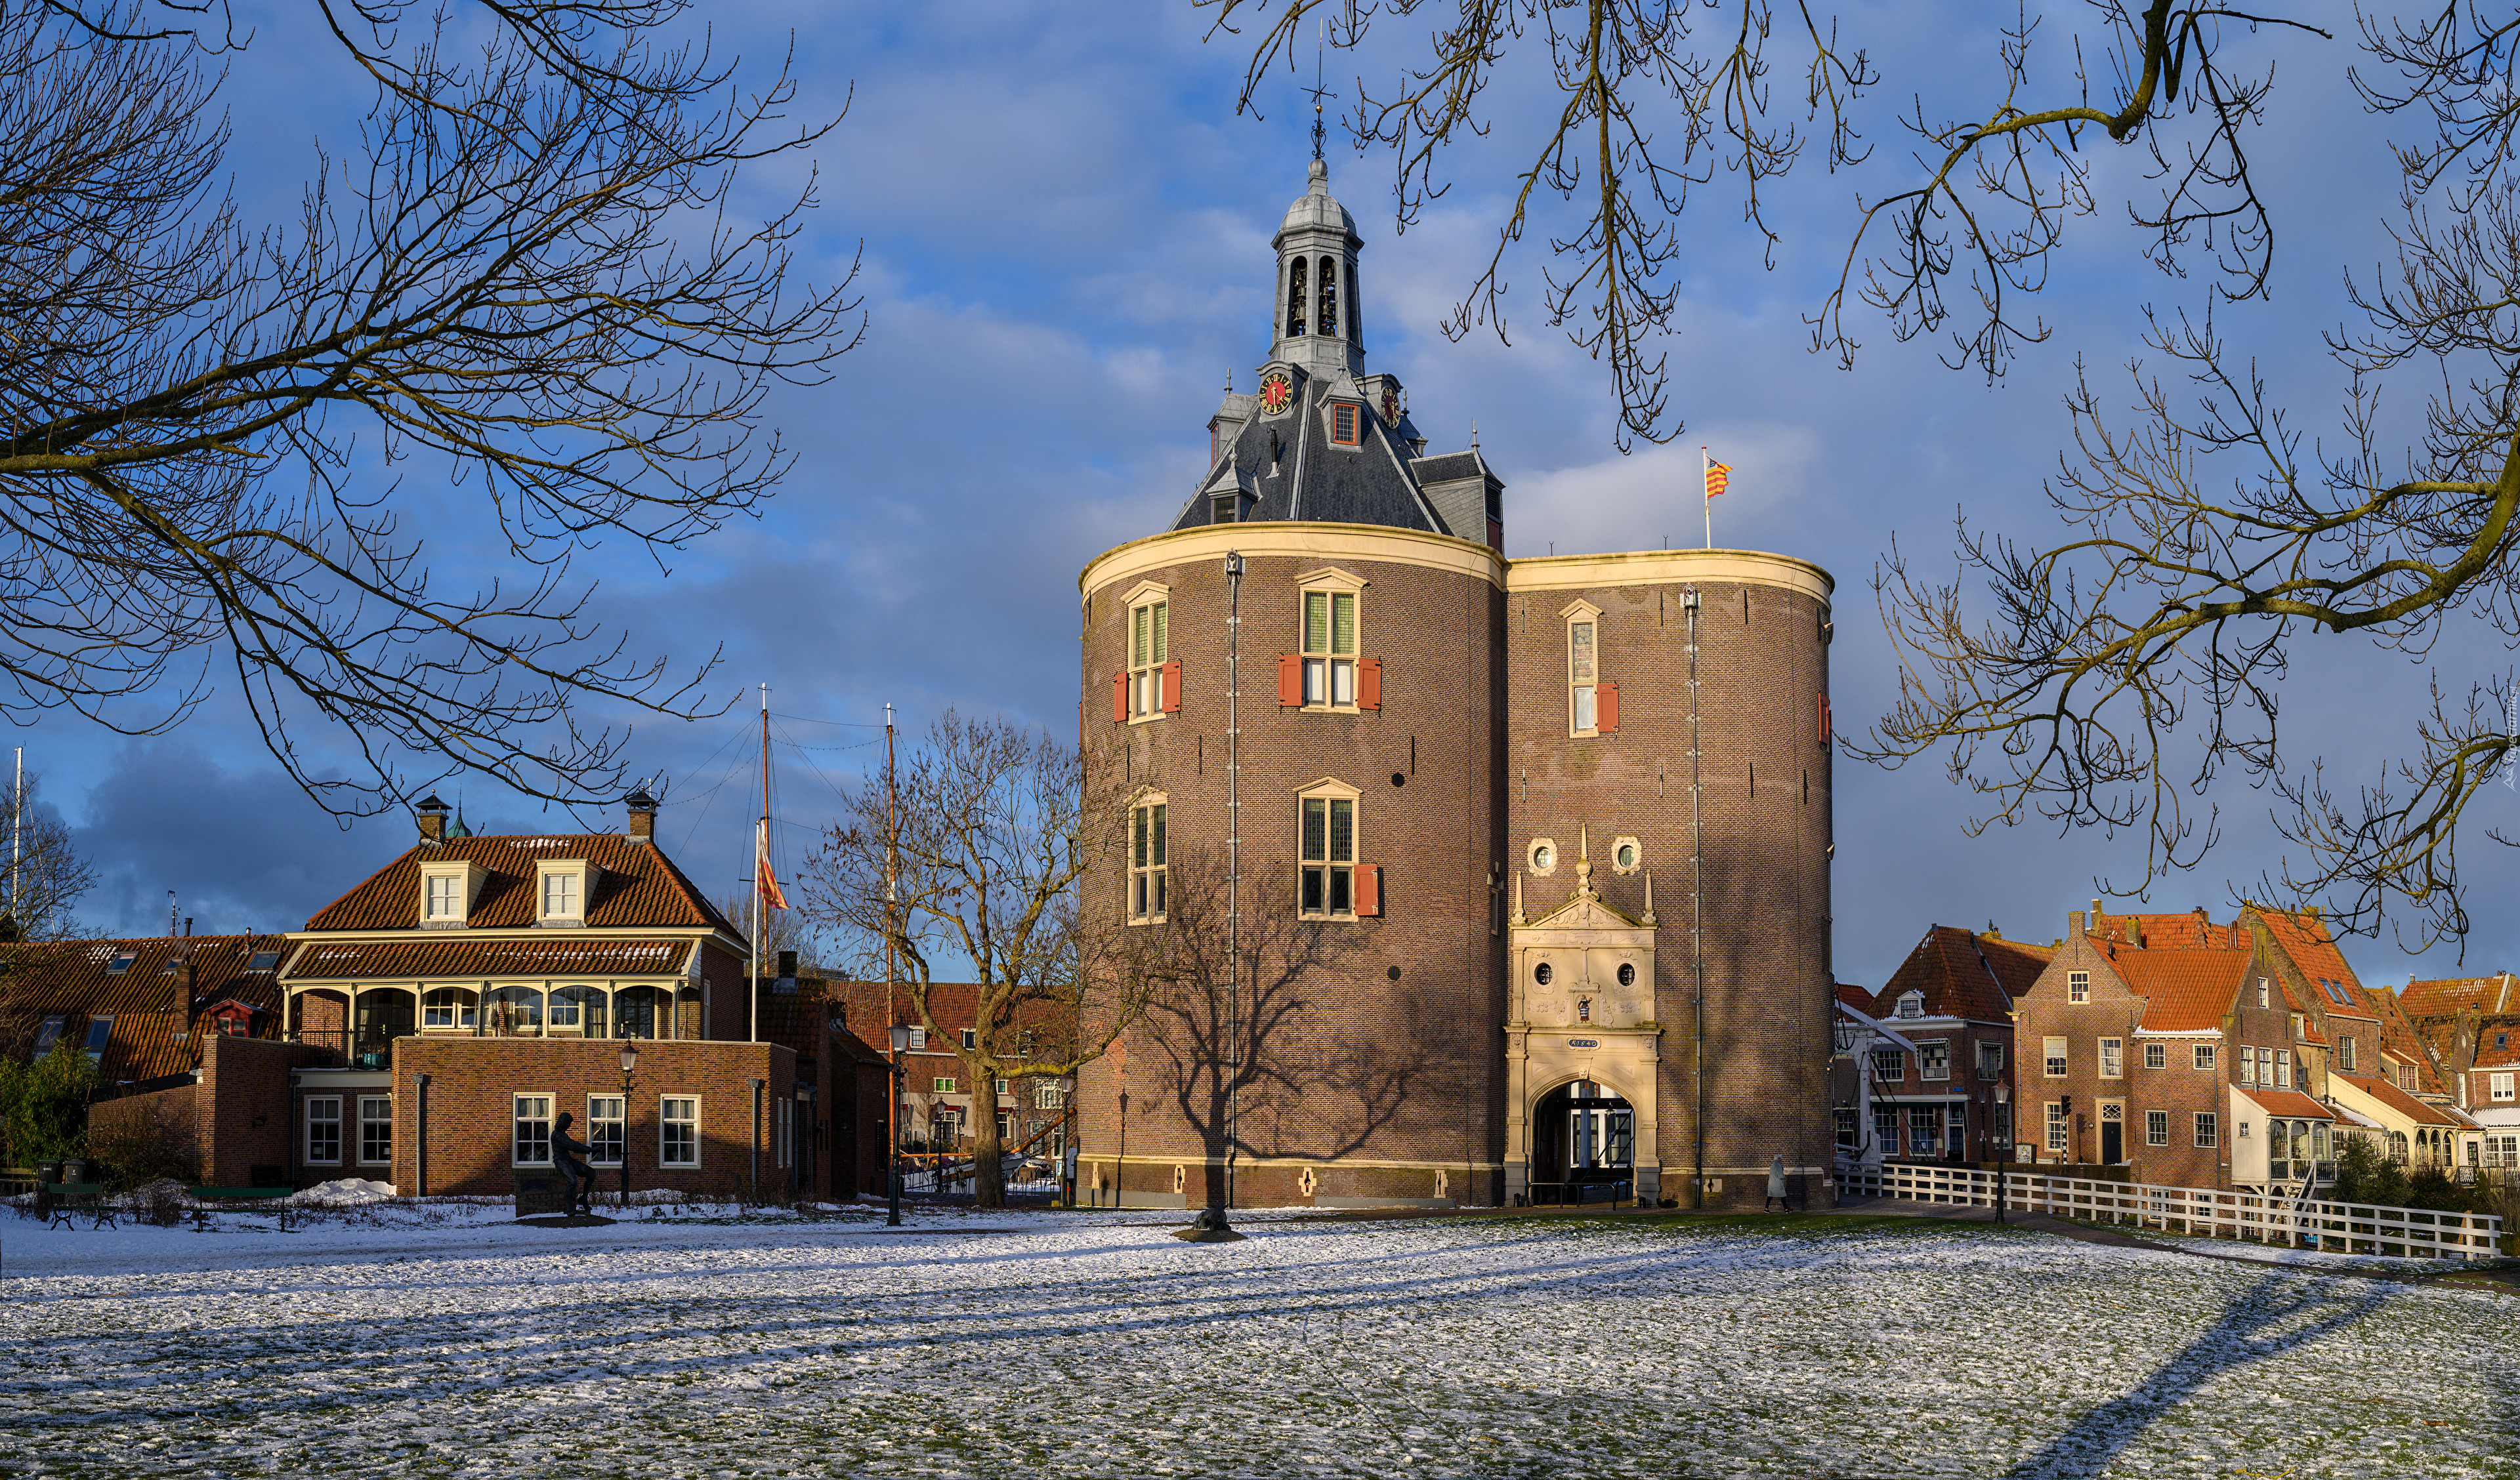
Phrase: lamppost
[629,1067]
[1844,1035]
[2003,1162]
[893,1147]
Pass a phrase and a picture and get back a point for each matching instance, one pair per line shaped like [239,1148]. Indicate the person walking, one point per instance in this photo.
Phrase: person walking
[1776,1188]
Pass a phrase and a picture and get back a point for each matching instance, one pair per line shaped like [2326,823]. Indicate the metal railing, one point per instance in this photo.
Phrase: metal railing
[2344,1228]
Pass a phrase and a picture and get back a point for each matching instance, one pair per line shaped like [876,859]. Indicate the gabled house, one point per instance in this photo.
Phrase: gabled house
[1946,1098]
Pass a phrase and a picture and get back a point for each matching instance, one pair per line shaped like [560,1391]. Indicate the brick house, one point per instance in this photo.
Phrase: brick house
[141,1009]
[938,1100]
[1947,1097]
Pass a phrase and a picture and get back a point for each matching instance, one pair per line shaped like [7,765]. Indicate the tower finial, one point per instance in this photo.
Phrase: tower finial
[1321,42]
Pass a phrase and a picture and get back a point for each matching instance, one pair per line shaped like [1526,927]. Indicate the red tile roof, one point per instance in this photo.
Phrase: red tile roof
[69,980]
[1855,997]
[2292,1105]
[2191,930]
[454,954]
[2444,997]
[640,887]
[2400,1100]
[1961,973]
[2185,991]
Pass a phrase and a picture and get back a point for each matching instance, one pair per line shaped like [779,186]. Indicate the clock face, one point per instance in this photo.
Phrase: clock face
[1390,407]
[1276,391]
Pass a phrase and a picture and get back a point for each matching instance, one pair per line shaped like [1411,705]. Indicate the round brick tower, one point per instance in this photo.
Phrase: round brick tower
[1496,938]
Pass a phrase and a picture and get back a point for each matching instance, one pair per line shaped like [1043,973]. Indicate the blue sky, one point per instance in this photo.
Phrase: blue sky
[1065,235]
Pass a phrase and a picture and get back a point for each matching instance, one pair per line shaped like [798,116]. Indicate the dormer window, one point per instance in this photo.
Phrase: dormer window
[446,893]
[562,887]
[1343,424]
[1912,1004]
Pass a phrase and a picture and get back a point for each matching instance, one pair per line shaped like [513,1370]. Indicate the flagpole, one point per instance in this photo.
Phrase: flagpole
[1706,491]
[760,870]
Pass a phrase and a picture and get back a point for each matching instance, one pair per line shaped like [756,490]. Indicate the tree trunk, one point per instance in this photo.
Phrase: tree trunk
[988,1152]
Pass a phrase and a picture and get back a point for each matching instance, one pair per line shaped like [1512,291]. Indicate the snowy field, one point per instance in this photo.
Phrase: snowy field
[1039,1344]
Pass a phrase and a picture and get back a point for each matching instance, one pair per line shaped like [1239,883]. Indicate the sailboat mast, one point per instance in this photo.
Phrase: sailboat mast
[760,873]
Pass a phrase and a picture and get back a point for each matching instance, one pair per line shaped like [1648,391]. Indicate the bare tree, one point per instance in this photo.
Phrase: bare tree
[525,277]
[1656,98]
[789,930]
[2122,667]
[977,868]
[45,875]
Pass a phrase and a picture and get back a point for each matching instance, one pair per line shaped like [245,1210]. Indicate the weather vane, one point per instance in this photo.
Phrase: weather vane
[1320,43]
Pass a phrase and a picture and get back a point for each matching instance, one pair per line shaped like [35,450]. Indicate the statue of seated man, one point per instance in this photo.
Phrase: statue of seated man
[569,1156]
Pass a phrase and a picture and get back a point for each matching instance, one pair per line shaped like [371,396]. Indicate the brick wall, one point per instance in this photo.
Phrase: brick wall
[242,1106]
[469,1109]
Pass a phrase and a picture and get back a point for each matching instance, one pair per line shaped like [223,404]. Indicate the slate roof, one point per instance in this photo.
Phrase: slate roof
[2183,991]
[640,887]
[69,980]
[454,954]
[1291,469]
[1962,975]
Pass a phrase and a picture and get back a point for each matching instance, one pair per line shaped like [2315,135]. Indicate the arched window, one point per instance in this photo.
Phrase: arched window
[1296,292]
[446,1008]
[578,1008]
[1329,296]
[515,1012]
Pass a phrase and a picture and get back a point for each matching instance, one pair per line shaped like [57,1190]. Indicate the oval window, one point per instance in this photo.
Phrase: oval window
[1627,974]
[1544,857]
[1541,973]
[1627,855]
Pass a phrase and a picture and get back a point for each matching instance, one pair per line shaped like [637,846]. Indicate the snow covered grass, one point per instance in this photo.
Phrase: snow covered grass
[1094,1344]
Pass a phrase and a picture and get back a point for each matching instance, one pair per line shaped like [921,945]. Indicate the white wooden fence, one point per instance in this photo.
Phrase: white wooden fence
[2342,1228]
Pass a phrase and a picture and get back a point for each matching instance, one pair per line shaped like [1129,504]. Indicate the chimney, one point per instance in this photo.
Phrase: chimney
[2073,926]
[433,818]
[643,816]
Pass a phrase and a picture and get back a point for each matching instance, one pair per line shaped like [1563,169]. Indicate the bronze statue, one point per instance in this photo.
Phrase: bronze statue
[569,1155]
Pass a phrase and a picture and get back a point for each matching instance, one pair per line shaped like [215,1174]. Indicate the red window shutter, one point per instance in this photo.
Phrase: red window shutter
[1172,688]
[1605,708]
[1369,683]
[1120,698]
[1290,679]
[1368,890]
[1823,719]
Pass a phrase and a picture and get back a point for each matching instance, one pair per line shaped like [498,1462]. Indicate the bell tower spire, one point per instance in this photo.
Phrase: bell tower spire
[1318,328]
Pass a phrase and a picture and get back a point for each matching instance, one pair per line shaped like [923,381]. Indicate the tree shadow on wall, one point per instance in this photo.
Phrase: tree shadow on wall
[1253,1061]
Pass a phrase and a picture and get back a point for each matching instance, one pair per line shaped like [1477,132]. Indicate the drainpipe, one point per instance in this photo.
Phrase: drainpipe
[420,1147]
[1697,902]
[755,1188]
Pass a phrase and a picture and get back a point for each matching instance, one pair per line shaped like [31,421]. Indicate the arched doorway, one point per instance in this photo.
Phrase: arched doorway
[1582,1145]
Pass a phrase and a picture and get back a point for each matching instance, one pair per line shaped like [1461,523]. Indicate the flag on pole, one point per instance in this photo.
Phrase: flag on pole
[1718,474]
[764,880]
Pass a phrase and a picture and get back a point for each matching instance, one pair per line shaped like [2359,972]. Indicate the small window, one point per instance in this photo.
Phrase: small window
[678,1123]
[1328,861]
[2345,1054]
[324,1129]
[1912,1004]
[1146,868]
[608,1130]
[49,1033]
[120,963]
[2057,1125]
[2112,1057]
[1343,422]
[1889,1064]
[2283,1068]
[944,1084]
[1330,647]
[2156,1127]
[917,1039]
[1001,1087]
[1624,857]
[2297,1032]
[562,896]
[1544,856]
[2156,1055]
[2208,1129]
[262,961]
[532,1114]
[375,1128]
[2078,986]
[2205,1057]
[2054,1050]
[1934,1059]
[445,896]
[2261,992]
[1150,650]
[1990,1060]
[100,1032]
[2501,1087]
[2502,1040]
[971,1038]
[1627,974]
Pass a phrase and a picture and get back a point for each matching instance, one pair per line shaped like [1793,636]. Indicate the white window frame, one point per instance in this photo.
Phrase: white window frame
[1583,669]
[447,891]
[2499,1086]
[678,1131]
[2156,1127]
[462,1012]
[608,1130]
[2056,1057]
[971,1038]
[1990,1059]
[2060,1127]
[1147,847]
[2113,1059]
[918,1040]
[1149,642]
[323,1110]
[2078,986]
[1934,1059]
[2156,1055]
[2283,1068]
[1320,883]
[565,882]
[376,1110]
[528,1109]
[2345,1055]
[944,1085]
[2205,1057]
[1890,1064]
[1329,666]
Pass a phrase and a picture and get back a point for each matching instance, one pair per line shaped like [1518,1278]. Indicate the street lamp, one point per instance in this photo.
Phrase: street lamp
[892,1152]
[629,1067]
